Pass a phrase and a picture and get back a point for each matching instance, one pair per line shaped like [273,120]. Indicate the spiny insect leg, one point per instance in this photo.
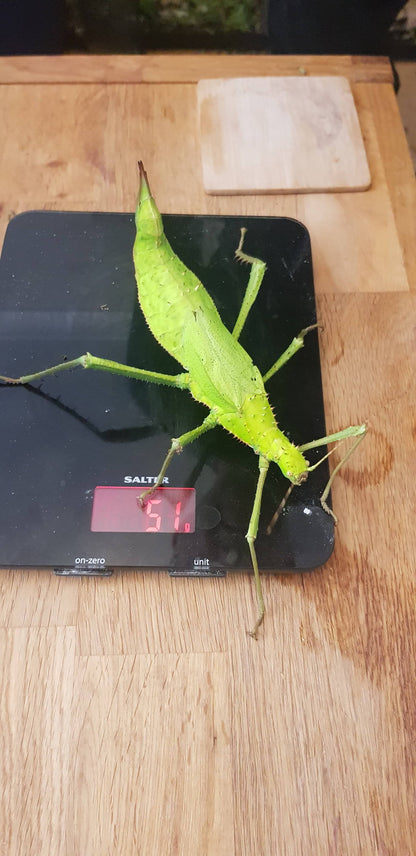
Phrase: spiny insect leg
[177,445]
[258,269]
[295,346]
[251,537]
[87,361]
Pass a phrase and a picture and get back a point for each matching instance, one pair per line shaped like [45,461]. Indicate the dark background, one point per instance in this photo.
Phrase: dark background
[270,26]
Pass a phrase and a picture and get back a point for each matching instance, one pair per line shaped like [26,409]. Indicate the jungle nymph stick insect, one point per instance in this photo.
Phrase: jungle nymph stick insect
[217,371]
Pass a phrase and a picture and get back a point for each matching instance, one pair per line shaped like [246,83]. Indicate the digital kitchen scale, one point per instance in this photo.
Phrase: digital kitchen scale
[78,448]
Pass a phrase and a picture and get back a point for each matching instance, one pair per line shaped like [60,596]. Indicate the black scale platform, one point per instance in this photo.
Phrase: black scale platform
[67,286]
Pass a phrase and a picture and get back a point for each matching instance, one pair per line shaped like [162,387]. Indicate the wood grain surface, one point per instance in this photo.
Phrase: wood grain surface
[184,68]
[280,135]
[136,716]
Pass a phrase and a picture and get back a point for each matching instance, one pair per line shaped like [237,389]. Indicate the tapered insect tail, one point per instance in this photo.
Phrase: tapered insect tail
[144,192]
[148,219]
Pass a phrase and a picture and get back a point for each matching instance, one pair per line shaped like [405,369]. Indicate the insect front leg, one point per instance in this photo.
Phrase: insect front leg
[279,509]
[258,269]
[357,433]
[177,444]
[251,537]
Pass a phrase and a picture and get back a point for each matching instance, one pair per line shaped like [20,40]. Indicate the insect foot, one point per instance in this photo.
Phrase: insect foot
[9,380]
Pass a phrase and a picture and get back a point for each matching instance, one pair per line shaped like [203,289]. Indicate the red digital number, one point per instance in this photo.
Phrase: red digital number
[119,509]
[153,515]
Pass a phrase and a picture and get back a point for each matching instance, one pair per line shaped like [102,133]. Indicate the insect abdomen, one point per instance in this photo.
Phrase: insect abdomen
[167,293]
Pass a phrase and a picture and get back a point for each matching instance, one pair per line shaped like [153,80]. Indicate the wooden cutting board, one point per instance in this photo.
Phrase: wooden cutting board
[280,135]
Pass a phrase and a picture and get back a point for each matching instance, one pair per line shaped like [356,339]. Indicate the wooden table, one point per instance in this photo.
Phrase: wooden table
[136,716]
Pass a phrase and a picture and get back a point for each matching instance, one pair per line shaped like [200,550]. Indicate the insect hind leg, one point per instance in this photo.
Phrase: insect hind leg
[88,361]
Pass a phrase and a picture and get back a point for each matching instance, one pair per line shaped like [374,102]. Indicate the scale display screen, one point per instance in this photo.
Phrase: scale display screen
[167,509]
[78,448]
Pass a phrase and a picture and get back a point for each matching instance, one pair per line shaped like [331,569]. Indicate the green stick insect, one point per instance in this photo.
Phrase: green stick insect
[218,371]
